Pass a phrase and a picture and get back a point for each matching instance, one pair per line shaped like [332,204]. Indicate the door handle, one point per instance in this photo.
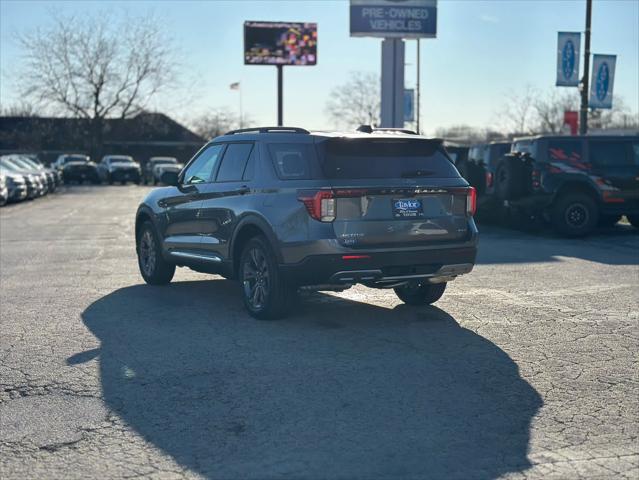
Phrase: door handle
[243,190]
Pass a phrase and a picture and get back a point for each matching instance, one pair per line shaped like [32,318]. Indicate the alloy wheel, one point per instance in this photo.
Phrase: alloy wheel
[147,253]
[577,215]
[255,278]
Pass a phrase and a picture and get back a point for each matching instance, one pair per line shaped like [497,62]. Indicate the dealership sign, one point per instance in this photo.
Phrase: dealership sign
[603,77]
[568,44]
[394,18]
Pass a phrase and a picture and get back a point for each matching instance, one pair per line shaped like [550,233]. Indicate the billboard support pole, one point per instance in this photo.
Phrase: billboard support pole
[392,101]
[583,123]
[280,112]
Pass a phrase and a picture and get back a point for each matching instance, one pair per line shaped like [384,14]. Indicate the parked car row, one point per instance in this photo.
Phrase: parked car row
[114,169]
[576,183]
[23,177]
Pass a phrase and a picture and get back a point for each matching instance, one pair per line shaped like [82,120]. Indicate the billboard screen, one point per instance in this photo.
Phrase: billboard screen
[280,43]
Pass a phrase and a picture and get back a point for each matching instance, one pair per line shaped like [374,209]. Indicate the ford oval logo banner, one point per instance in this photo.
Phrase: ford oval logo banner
[603,76]
[568,45]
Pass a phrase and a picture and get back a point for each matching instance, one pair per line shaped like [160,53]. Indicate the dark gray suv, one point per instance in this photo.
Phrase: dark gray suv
[282,208]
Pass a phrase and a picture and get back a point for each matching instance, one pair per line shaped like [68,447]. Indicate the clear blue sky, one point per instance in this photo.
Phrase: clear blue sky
[483,50]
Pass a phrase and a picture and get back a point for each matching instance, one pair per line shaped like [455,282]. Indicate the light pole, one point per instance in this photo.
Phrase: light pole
[583,121]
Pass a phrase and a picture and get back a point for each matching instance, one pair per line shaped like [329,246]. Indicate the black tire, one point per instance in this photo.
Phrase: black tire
[420,293]
[608,220]
[574,214]
[509,178]
[153,268]
[265,294]
[634,220]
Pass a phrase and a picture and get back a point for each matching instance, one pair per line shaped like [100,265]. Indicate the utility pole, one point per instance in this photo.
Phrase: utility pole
[585,90]
[418,88]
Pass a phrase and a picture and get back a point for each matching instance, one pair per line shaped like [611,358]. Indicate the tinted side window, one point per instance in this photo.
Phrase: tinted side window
[201,170]
[234,162]
[635,151]
[291,160]
[608,154]
[565,151]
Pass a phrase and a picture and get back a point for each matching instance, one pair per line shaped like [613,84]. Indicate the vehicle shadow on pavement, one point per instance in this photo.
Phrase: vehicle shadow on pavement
[338,389]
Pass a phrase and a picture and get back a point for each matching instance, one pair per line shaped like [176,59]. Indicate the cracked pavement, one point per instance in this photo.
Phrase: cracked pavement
[527,368]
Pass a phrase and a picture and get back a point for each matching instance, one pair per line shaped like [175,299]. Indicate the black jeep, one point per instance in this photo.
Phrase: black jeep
[575,182]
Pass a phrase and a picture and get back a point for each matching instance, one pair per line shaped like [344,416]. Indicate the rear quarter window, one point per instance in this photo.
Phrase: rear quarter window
[610,153]
[293,161]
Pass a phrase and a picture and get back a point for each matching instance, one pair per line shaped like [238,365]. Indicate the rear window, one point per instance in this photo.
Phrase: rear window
[385,158]
[75,158]
[494,153]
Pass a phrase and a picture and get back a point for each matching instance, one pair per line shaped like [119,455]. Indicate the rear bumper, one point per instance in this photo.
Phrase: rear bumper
[382,268]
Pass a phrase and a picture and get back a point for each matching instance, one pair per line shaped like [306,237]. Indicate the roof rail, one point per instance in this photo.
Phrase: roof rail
[269,130]
[369,129]
[395,130]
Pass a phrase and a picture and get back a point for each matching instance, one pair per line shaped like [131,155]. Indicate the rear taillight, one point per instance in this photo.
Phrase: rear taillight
[471,201]
[536,179]
[319,204]
[489,179]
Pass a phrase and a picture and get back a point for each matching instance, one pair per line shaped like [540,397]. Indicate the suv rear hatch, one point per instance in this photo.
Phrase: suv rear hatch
[393,192]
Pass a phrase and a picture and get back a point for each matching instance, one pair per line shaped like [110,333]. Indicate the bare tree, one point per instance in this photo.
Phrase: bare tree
[217,122]
[550,109]
[20,109]
[618,117]
[96,67]
[517,112]
[356,102]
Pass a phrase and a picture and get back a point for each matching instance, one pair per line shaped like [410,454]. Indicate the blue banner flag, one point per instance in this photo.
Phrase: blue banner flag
[568,44]
[409,105]
[602,81]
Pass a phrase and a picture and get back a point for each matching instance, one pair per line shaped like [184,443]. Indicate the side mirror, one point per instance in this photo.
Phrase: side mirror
[169,178]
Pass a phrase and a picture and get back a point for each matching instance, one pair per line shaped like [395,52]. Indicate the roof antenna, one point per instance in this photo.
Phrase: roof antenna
[365,129]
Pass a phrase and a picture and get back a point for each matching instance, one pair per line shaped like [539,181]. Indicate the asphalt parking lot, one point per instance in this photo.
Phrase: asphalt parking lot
[528,367]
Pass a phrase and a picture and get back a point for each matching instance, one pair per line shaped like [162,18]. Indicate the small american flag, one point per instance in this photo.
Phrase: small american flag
[235,86]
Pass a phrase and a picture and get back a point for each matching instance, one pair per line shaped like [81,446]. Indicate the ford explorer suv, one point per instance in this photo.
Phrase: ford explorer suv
[575,182]
[280,208]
